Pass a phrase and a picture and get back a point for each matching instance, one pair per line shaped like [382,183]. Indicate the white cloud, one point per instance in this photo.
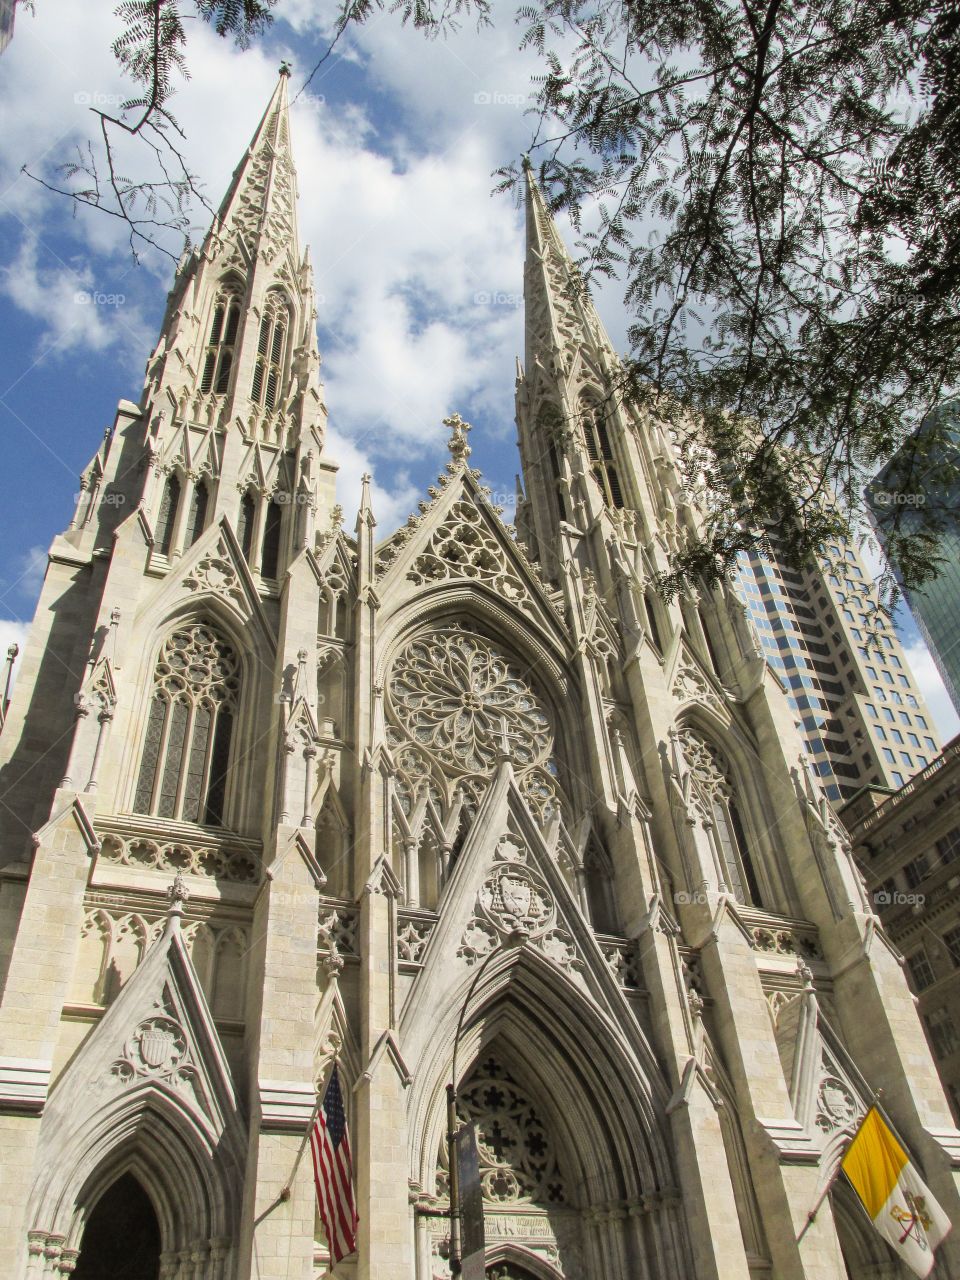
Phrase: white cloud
[72,310]
[932,687]
[392,496]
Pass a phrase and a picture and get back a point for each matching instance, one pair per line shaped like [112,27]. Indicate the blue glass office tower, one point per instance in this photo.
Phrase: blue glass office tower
[916,482]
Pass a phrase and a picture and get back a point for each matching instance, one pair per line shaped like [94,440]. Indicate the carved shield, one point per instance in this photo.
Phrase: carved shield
[516,895]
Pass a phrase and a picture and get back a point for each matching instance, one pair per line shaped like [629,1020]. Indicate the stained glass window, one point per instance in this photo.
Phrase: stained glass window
[186,749]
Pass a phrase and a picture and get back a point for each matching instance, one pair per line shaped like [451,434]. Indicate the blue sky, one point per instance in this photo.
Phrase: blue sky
[419,268]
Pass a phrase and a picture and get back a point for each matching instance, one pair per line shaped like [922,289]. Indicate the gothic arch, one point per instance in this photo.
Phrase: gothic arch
[752,804]
[188,1173]
[254,650]
[865,1256]
[595,1101]
[598,1085]
[521,1263]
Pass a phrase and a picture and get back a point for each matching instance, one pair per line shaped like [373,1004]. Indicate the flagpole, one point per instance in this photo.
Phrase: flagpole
[287,1186]
[811,1216]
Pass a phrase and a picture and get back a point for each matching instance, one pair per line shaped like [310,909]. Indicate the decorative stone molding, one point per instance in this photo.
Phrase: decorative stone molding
[23,1084]
[215,572]
[129,842]
[286,1104]
[462,547]
[413,934]
[337,930]
[157,1050]
[837,1106]
[786,940]
[623,962]
[691,685]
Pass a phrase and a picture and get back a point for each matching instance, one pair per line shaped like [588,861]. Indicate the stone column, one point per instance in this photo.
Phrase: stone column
[276,1237]
[41,965]
[386,1225]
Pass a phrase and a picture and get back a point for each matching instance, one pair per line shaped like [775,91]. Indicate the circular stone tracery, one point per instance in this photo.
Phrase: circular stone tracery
[458,698]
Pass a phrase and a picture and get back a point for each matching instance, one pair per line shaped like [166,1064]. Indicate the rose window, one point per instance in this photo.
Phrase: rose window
[460,702]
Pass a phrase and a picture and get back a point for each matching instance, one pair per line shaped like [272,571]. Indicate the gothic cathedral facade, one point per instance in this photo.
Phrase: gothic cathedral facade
[271,794]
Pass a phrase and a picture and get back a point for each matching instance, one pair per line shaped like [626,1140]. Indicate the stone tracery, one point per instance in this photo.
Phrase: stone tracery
[458,705]
[518,1162]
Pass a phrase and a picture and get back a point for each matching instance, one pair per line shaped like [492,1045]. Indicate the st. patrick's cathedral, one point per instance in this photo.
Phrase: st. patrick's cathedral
[272,792]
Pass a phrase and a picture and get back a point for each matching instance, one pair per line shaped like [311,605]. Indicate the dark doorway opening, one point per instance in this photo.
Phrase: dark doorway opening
[121,1240]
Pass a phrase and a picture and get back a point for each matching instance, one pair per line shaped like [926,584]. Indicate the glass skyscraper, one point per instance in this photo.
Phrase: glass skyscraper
[916,482]
[856,700]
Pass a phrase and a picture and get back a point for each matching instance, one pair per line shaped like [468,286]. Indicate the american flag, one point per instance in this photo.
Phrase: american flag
[333,1172]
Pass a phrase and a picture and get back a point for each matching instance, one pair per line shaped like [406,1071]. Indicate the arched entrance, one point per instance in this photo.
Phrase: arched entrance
[121,1240]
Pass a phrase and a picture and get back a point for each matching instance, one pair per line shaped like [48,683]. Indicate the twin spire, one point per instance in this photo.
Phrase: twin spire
[560,315]
[259,208]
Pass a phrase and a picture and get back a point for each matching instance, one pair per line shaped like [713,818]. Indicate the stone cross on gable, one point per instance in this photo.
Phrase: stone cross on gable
[457,444]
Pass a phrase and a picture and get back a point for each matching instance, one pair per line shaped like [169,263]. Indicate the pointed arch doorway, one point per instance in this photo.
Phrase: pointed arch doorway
[121,1240]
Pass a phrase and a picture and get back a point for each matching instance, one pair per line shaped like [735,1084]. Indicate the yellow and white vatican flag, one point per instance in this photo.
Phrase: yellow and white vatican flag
[894,1195]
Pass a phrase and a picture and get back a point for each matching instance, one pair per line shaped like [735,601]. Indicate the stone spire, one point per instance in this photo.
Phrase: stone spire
[258,214]
[238,343]
[560,316]
[563,394]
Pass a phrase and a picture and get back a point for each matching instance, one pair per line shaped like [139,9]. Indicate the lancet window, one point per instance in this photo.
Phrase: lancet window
[717,799]
[245,522]
[224,327]
[167,515]
[650,607]
[198,511]
[186,751]
[549,430]
[600,451]
[272,528]
[271,350]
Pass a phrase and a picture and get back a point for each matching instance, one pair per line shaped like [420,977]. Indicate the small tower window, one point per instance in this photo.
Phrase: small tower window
[271,349]
[198,511]
[651,611]
[270,559]
[711,652]
[224,328]
[186,751]
[245,521]
[549,425]
[556,472]
[600,451]
[167,515]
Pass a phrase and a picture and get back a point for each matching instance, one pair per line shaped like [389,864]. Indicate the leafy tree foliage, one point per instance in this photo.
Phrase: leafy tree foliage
[778,185]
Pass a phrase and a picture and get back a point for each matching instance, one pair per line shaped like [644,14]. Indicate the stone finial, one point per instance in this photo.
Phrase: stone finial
[177,894]
[457,444]
[805,974]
